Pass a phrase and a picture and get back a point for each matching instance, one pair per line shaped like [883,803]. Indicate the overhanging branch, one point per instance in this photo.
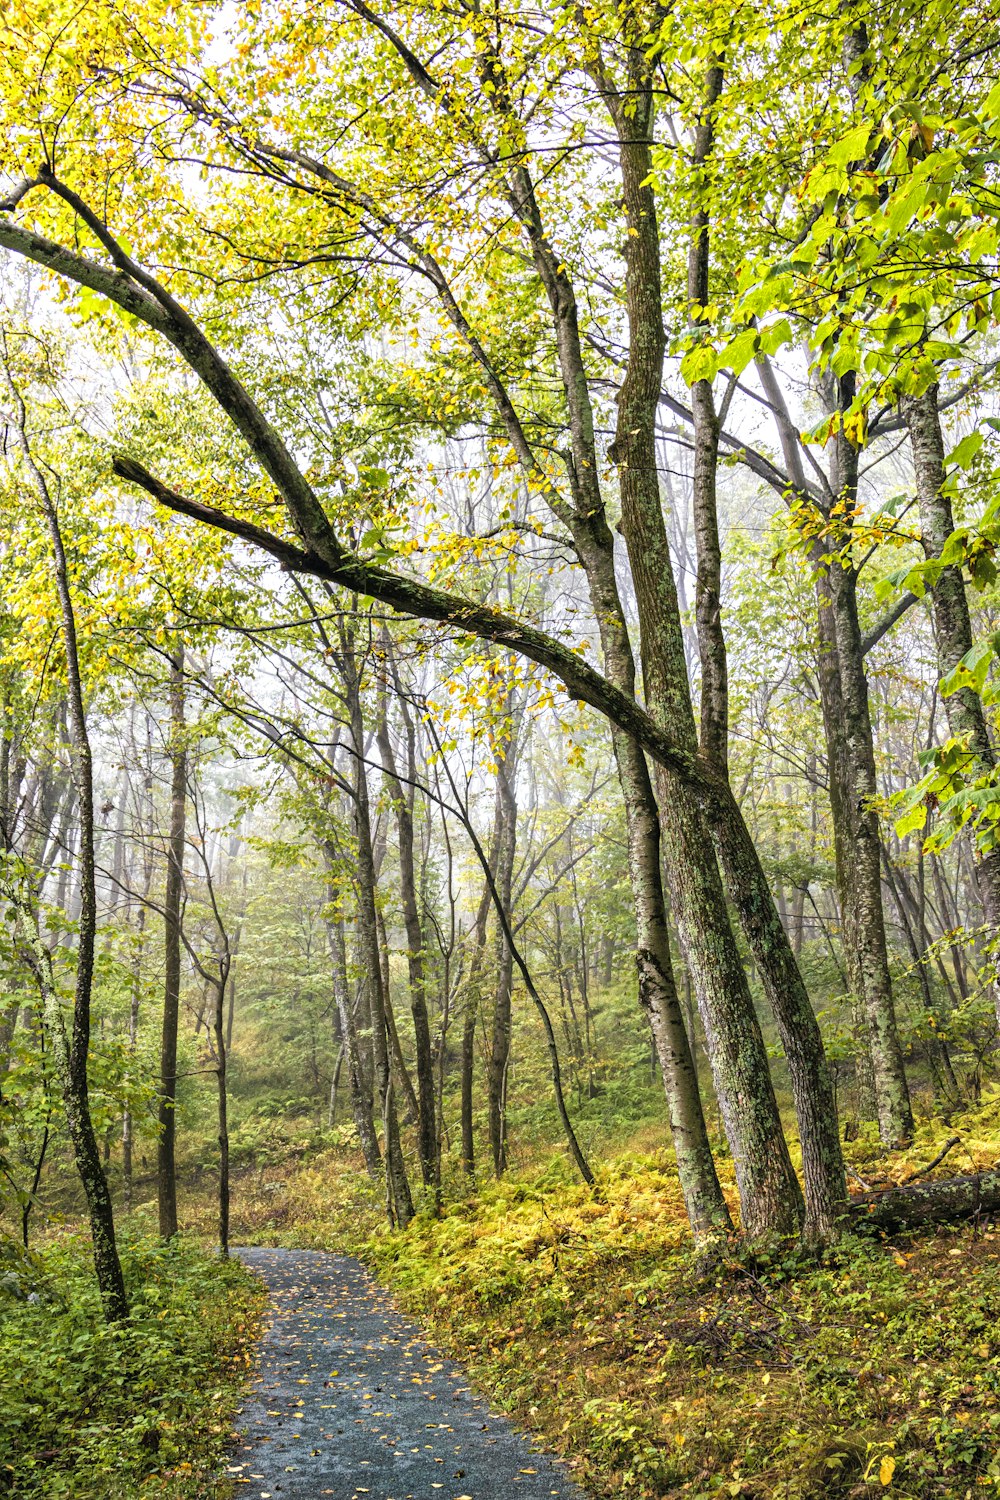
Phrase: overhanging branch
[409,596]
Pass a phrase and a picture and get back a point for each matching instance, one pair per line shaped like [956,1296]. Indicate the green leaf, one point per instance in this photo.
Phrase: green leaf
[737,355]
[972,670]
[913,820]
[700,363]
[850,148]
[961,456]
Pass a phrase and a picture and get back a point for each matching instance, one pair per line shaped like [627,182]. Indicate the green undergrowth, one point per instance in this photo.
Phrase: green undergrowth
[112,1413]
[874,1371]
[877,1370]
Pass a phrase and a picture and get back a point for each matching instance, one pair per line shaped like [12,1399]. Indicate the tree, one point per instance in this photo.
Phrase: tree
[72,1052]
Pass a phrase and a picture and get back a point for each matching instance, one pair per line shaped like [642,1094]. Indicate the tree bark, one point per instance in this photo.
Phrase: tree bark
[361,1101]
[427,1137]
[769,1191]
[146,821]
[746,882]
[400,1201]
[708,587]
[953,630]
[411,1112]
[499,1054]
[914,1207]
[72,1053]
[892,1097]
[166,1173]
[219,1028]
[840,794]
[135,998]
[472,999]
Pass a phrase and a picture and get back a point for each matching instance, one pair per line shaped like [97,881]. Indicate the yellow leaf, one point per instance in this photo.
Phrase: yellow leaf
[886,1469]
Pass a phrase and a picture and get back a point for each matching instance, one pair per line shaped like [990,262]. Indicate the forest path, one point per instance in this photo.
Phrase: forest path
[351,1402]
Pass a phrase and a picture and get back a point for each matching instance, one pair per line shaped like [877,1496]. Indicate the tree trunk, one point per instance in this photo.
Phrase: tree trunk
[400,1201]
[706,1206]
[801,1039]
[146,826]
[868,937]
[402,1072]
[430,1165]
[166,1179]
[223,1112]
[769,1190]
[471,1007]
[839,782]
[361,1101]
[747,885]
[499,1055]
[953,630]
[914,1207]
[133,1037]
[72,1054]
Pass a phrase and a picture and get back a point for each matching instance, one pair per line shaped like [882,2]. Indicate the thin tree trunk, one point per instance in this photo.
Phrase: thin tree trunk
[938,1049]
[361,1102]
[166,1182]
[582,1165]
[892,1097]
[223,1112]
[499,1055]
[882,1088]
[72,1053]
[863,912]
[135,998]
[471,1007]
[145,820]
[839,781]
[427,1137]
[399,1198]
[402,1072]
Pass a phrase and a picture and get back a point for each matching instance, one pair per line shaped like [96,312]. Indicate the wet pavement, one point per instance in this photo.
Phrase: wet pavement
[351,1402]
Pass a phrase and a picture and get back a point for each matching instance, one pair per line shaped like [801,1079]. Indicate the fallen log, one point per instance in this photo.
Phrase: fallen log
[925,1203]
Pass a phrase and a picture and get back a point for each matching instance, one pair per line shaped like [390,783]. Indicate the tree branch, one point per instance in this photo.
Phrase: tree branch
[888,620]
[409,596]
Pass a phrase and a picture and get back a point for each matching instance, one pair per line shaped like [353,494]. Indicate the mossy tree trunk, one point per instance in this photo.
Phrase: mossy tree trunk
[953,630]
[72,1052]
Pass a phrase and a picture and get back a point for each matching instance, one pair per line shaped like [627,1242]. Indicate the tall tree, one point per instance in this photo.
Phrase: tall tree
[402,805]
[73,1052]
[166,1178]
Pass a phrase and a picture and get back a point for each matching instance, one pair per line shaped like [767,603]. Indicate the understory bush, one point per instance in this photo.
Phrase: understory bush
[98,1412]
[874,1370]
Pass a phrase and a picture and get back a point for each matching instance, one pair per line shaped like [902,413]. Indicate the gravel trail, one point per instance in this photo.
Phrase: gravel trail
[351,1402]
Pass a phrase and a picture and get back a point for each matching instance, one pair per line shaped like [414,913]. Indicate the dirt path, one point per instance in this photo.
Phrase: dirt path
[352,1403]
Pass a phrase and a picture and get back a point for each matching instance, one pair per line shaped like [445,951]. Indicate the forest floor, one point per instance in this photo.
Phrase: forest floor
[584,1315]
[143,1409]
[350,1401]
